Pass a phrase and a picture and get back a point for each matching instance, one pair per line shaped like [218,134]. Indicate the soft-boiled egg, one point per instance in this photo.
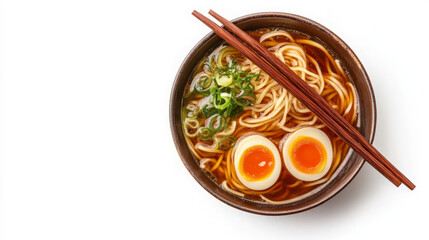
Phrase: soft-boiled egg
[307,154]
[257,162]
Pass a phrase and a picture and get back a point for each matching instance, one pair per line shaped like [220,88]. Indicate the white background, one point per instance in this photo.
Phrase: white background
[88,152]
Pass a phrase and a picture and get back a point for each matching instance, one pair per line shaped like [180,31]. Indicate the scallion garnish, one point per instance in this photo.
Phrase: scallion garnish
[191,110]
[203,85]
[205,133]
[227,90]
[217,123]
[226,143]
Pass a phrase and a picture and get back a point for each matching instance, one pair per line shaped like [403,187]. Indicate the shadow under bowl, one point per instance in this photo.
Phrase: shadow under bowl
[366,121]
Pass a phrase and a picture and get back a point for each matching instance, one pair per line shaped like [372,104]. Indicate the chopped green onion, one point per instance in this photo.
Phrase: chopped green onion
[208,110]
[245,99]
[235,111]
[224,80]
[205,134]
[191,126]
[219,120]
[222,100]
[203,85]
[227,90]
[226,143]
[191,110]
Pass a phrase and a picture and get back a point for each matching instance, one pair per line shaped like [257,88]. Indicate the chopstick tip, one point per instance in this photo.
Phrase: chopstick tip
[195,13]
[214,14]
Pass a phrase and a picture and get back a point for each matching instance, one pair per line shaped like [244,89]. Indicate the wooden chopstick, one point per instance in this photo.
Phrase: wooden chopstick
[276,75]
[310,103]
[258,48]
[285,70]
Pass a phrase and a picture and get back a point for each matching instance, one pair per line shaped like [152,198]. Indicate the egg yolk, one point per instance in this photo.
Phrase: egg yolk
[308,155]
[256,163]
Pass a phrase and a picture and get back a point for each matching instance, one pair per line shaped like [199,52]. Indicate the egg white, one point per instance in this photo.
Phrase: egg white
[316,134]
[250,141]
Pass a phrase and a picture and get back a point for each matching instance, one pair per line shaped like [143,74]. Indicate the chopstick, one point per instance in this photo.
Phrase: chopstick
[304,93]
[261,50]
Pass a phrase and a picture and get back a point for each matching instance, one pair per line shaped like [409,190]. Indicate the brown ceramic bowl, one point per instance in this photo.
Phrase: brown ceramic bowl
[366,114]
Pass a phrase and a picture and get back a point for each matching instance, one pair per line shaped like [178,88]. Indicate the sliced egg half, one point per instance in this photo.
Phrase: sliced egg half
[307,154]
[257,162]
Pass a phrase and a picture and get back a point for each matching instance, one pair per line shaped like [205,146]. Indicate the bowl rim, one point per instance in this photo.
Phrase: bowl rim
[320,27]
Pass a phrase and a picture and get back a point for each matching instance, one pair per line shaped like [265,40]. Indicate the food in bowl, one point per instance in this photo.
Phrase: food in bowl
[253,137]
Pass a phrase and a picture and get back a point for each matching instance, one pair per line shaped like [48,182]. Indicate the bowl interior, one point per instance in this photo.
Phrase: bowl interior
[366,111]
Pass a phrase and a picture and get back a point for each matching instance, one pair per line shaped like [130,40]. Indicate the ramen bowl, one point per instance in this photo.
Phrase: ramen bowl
[366,118]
